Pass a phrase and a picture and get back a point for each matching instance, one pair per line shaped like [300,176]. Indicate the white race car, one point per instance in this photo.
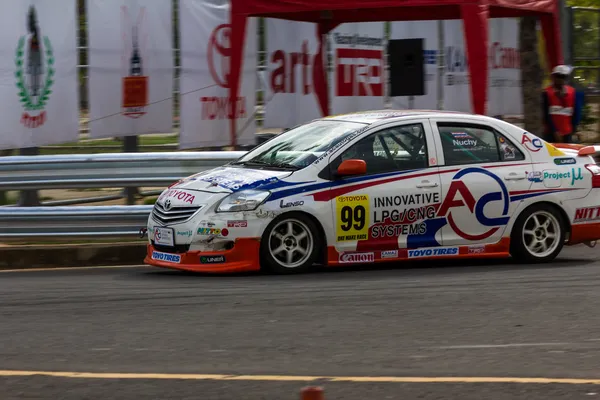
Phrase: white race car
[381,186]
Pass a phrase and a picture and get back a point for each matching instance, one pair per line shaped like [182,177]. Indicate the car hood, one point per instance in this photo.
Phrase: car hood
[231,179]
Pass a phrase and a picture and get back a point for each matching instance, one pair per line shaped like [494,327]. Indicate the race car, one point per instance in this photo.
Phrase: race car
[381,186]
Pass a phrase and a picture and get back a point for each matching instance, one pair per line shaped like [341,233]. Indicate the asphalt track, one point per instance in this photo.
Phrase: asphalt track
[485,330]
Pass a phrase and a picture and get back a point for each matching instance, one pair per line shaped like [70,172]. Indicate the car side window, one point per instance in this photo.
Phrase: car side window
[473,144]
[392,149]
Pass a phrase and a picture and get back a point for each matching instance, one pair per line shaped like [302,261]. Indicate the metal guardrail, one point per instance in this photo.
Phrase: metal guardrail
[92,171]
[106,170]
[72,222]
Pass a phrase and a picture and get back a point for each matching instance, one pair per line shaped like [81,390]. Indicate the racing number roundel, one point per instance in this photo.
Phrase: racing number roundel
[352,218]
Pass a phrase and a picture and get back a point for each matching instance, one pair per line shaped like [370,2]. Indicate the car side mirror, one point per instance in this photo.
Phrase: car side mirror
[352,167]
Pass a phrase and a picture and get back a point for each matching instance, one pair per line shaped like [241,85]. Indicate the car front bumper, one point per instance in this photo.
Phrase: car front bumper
[243,257]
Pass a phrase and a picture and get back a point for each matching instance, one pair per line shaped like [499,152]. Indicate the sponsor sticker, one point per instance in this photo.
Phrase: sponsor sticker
[535,176]
[435,252]
[573,175]
[213,232]
[389,254]
[477,249]
[220,259]
[587,214]
[352,217]
[180,195]
[237,224]
[532,143]
[553,151]
[288,204]
[163,236]
[185,233]
[357,257]
[564,161]
[166,257]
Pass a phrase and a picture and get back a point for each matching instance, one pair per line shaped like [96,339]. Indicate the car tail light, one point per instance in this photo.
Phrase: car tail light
[595,170]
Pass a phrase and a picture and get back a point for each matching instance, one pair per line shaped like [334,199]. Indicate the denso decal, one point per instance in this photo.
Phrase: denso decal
[587,214]
[288,204]
[166,257]
[181,195]
[357,257]
[532,143]
[436,252]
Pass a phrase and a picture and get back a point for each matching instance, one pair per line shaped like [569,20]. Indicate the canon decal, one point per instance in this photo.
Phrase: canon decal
[357,257]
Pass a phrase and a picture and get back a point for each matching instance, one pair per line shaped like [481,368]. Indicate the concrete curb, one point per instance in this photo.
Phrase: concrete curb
[79,255]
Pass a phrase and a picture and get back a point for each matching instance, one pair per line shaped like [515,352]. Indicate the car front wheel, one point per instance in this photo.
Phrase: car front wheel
[538,234]
[290,244]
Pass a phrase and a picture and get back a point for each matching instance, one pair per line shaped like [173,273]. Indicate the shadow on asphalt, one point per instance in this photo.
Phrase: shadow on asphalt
[405,268]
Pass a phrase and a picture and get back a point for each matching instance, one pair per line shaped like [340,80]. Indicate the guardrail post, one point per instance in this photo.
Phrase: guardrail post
[3,197]
[29,198]
[130,145]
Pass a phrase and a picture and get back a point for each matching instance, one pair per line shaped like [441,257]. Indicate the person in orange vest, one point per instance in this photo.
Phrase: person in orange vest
[562,106]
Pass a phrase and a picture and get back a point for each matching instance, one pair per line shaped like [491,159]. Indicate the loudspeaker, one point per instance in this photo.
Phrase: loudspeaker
[407,70]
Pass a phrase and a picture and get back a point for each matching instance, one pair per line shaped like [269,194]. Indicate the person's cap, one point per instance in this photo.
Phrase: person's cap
[561,70]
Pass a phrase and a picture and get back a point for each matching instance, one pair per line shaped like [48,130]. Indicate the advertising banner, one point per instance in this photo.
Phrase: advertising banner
[457,89]
[131,66]
[358,67]
[205,54]
[504,79]
[289,96]
[38,73]
[505,68]
[428,31]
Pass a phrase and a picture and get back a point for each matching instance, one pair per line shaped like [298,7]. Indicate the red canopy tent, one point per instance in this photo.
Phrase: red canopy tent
[330,13]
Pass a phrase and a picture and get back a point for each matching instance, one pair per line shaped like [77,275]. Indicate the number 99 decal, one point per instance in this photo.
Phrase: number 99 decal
[352,218]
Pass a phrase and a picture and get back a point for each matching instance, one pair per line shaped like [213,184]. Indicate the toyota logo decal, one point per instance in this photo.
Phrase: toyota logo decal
[168,205]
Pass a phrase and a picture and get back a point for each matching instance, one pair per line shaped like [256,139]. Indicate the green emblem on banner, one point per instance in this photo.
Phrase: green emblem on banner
[34,87]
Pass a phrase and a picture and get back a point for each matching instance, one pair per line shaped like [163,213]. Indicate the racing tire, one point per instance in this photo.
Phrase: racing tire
[290,244]
[538,235]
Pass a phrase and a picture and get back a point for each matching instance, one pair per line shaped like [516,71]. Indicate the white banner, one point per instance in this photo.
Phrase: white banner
[504,73]
[428,31]
[505,68]
[38,73]
[205,54]
[131,67]
[457,89]
[358,67]
[290,98]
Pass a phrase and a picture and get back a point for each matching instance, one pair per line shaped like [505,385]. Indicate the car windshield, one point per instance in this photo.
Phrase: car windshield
[300,146]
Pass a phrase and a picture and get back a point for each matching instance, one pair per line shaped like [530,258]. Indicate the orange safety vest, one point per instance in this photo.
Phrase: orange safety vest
[561,109]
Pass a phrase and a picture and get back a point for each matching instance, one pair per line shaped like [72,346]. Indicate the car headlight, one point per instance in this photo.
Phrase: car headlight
[245,200]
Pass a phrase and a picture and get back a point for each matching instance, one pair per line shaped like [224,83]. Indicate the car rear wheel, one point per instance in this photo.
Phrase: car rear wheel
[290,244]
[538,234]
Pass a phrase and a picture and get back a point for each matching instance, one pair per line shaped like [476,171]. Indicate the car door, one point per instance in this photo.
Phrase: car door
[386,210]
[483,173]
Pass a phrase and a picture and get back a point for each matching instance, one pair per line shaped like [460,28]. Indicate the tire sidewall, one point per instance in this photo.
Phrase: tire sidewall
[268,262]
[518,249]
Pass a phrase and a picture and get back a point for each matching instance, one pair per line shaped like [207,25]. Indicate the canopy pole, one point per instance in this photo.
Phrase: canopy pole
[476,31]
